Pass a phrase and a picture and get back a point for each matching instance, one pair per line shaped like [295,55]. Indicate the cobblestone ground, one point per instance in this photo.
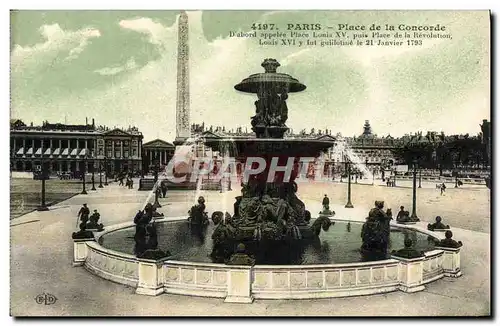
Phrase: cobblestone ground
[41,255]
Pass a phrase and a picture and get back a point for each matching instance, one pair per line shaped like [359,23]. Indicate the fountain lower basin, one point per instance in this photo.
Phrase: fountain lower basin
[244,283]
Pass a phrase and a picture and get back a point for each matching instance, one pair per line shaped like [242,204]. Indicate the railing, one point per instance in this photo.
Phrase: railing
[301,282]
[201,279]
[114,266]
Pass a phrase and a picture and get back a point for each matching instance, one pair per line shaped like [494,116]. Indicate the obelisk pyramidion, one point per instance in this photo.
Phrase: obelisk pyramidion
[183,131]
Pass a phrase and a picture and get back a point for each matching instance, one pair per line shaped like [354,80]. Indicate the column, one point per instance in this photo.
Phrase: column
[121,148]
[24,149]
[161,157]
[14,149]
[59,167]
[112,149]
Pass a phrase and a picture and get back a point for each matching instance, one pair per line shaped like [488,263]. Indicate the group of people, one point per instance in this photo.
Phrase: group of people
[129,182]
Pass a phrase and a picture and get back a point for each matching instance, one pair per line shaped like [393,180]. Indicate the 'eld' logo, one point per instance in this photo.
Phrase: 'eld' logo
[46,299]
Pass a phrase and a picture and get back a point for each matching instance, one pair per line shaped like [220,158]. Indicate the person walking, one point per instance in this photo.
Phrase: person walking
[443,188]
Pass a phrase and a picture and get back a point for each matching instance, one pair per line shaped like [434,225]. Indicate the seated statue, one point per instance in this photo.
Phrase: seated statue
[448,242]
[408,252]
[240,257]
[322,222]
[83,233]
[438,225]
[94,221]
[197,214]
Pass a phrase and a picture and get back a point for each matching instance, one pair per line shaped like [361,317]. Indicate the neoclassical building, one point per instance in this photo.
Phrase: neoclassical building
[156,151]
[74,148]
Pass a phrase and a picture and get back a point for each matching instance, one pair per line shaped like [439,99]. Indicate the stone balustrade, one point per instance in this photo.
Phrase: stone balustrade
[244,283]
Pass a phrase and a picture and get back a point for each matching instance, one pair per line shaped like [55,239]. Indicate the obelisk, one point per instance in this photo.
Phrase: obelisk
[183,127]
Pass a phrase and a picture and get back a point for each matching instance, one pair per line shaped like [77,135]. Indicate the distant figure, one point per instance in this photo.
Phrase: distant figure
[120,177]
[443,188]
[326,202]
[163,187]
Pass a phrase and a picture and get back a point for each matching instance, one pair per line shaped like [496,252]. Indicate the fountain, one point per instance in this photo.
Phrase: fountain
[270,247]
[268,209]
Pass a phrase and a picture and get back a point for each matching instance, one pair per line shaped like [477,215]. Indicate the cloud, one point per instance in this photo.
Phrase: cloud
[57,40]
[109,71]
[292,57]
[156,32]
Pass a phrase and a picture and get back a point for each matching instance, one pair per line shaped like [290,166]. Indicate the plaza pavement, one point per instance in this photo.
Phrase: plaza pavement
[41,256]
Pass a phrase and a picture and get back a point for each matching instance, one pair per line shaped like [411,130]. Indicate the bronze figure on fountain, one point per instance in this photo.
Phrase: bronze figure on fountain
[375,232]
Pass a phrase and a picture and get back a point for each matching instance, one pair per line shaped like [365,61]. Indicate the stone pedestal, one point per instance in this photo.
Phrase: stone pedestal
[451,261]
[80,251]
[410,274]
[150,277]
[239,285]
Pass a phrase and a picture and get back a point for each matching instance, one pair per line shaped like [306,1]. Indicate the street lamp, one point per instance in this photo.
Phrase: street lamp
[100,176]
[349,204]
[105,171]
[93,180]
[414,208]
[42,175]
[84,192]
[156,171]
[420,178]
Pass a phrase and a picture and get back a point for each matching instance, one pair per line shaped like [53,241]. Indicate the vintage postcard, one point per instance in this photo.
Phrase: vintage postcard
[250,163]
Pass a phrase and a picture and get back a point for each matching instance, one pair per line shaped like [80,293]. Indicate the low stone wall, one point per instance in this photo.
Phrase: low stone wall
[111,265]
[244,283]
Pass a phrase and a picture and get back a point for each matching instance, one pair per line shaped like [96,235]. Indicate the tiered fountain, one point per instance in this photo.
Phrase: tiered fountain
[268,209]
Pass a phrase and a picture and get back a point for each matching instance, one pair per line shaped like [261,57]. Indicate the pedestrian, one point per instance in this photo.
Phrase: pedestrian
[163,187]
[443,188]
[326,202]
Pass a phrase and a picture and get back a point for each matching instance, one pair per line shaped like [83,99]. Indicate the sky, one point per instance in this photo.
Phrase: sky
[119,67]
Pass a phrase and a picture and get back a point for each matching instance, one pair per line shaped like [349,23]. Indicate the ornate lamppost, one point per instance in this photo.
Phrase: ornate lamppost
[42,175]
[156,171]
[84,192]
[420,178]
[105,171]
[93,178]
[348,164]
[414,208]
[100,175]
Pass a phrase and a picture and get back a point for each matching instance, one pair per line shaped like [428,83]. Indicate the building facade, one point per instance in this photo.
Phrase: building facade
[74,149]
[156,152]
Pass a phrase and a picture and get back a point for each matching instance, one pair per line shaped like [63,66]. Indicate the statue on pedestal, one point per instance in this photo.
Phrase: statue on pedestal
[408,251]
[376,230]
[438,225]
[449,242]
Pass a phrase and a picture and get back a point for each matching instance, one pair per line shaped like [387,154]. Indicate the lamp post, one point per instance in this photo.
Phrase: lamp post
[43,175]
[349,204]
[93,179]
[105,171]
[414,208]
[100,176]
[156,171]
[420,178]
[84,192]
[373,176]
